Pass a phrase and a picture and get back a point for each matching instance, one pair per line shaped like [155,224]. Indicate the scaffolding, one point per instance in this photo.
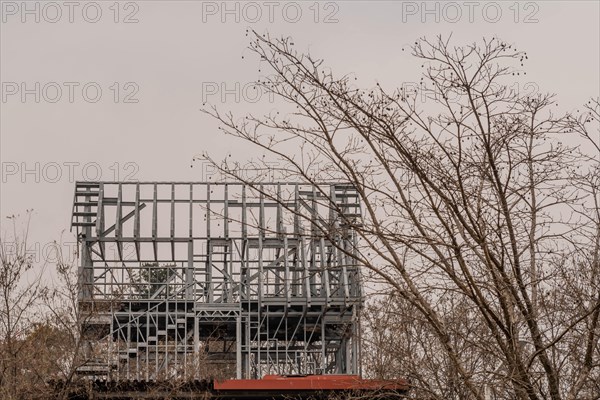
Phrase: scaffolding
[190,280]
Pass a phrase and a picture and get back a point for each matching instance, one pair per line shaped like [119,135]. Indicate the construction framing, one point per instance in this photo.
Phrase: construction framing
[189,279]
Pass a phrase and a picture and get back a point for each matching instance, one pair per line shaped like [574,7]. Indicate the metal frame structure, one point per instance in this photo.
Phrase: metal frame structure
[197,279]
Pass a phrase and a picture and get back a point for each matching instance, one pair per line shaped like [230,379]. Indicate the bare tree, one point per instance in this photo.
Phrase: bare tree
[41,338]
[69,321]
[21,291]
[581,269]
[472,208]
[397,341]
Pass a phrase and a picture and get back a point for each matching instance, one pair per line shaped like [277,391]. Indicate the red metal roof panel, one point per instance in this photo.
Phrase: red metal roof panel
[311,382]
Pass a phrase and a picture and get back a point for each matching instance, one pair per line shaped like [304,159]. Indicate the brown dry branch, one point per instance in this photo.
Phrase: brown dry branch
[477,215]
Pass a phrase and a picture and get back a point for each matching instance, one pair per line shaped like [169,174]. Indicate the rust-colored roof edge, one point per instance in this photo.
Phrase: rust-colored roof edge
[312,382]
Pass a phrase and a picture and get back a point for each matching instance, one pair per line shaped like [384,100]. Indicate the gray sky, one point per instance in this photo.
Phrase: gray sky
[113,90]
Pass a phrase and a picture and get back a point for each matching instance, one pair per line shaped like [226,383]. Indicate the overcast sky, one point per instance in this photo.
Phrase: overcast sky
[113,90]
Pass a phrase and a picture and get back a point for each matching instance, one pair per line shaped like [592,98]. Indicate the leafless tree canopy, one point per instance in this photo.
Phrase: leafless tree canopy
[40,337]
[479,217]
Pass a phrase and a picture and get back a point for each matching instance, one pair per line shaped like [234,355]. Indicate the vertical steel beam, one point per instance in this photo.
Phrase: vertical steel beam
[189,271]
[172,230]
[259,316]
[208,281]
[155,221]
[119,221]
[136,221]
[238,346]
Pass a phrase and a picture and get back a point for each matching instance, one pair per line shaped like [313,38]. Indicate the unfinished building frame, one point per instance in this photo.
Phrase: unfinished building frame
[186,279]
